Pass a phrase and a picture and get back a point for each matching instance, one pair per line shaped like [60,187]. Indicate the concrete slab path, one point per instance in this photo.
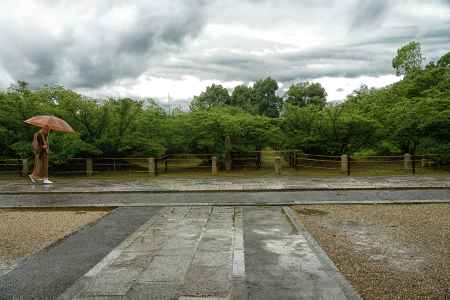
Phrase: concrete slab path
[225,198]
[168,184]
[48,273]
[214,253]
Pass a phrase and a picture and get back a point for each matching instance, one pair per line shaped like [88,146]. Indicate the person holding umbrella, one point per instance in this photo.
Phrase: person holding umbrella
[40,144]
[40,149]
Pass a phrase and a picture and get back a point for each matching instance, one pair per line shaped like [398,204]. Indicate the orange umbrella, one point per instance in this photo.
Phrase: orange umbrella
[54,123]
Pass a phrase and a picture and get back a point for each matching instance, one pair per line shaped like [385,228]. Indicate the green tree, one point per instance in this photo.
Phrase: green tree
[242,97]
[17,104]
[265,99]
[411,115]
[408,59]
[301,128]
[444,61]
[87,117]
[306,93]
[215,95]
[121,133]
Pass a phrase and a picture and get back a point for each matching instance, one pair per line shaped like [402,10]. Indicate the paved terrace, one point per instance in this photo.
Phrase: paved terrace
[183,253]
[209,238]
[224,191]
[224,184]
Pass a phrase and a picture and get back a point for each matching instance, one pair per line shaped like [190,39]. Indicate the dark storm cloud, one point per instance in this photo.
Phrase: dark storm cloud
[368,13]
[96,45]
[226,65]
[99,47]
[365,51]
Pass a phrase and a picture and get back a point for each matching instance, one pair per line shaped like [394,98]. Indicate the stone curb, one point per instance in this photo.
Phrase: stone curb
[330,267]
[244,190]
[145,204]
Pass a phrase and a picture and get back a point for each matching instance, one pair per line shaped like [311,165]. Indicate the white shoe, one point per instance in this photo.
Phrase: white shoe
[31,178]
[46,181]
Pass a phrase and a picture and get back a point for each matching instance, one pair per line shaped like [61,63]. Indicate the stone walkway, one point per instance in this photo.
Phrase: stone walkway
[143,199]
[214,253]
[92,185]
[49,272]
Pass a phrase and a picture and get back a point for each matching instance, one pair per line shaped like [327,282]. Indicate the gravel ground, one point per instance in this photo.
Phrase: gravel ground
[25,231]
[386,251]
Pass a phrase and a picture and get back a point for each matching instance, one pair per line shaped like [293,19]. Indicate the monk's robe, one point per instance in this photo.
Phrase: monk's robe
[40,170]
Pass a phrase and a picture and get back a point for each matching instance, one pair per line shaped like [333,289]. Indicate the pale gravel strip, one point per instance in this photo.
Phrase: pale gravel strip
[238,245]
[239,288]
[78,287]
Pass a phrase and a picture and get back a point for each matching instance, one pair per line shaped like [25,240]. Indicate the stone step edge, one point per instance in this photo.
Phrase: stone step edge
[243,190]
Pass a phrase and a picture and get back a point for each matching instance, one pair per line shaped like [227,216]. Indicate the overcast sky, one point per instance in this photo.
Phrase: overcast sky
[152,48]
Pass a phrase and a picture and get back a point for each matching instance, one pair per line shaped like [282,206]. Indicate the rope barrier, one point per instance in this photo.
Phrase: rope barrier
[316,167]
[109,158]
[320,155]
[187,154]
[377,161]
[262,160]
[312,159]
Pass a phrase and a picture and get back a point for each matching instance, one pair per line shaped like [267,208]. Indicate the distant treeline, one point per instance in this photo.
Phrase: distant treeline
[412,115]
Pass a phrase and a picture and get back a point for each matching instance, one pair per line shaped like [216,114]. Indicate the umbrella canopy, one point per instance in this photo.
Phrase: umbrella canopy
[54,123]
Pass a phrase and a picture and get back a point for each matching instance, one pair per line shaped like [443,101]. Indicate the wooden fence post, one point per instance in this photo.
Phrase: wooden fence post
[295,160]
[407,163]
[344,164]
[214,170]
[152,166]
[258,160]
[424,163]
[89,167]
[278,165]
[228,159]
[25,168]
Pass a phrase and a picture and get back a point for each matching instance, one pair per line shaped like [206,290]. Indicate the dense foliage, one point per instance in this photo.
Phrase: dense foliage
[412,115]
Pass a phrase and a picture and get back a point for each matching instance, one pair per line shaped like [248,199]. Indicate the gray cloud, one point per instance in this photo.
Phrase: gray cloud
[92,45]
[369,13]
[367,48]
[97,48]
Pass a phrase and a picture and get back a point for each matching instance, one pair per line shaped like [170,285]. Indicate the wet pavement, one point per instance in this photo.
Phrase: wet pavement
[189,239]
[152,184]
[186,252]
[213,253]
[225,198]
[281,264]
[52,270]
